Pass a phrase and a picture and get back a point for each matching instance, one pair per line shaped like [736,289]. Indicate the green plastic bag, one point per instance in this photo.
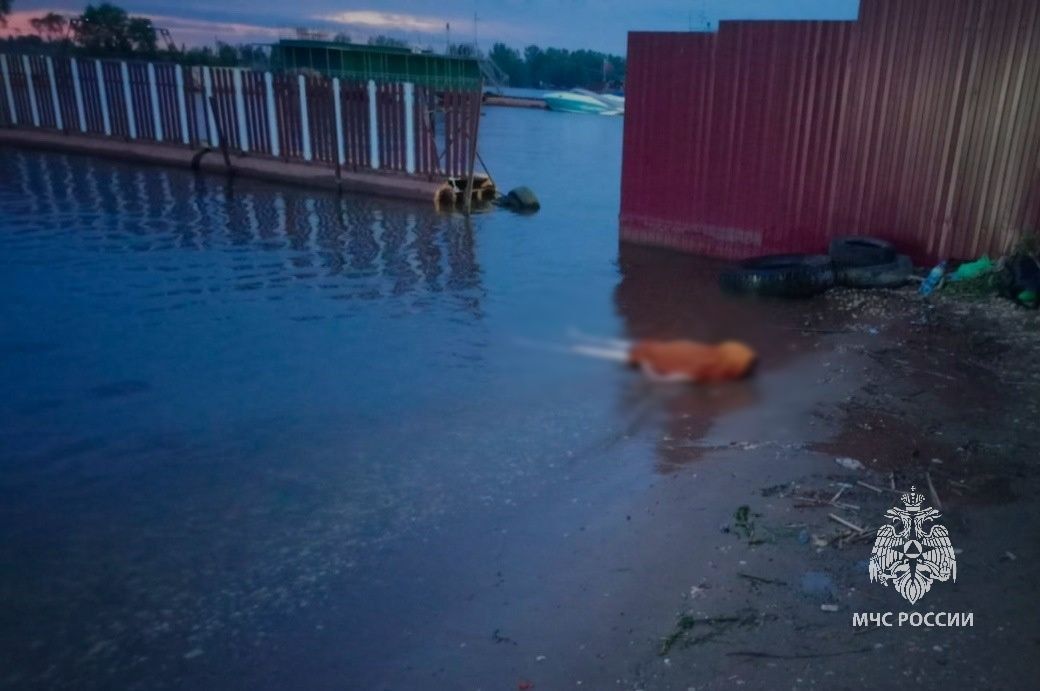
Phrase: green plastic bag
[970,270]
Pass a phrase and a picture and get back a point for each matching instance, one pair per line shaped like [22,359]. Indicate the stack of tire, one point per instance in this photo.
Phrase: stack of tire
[854,262]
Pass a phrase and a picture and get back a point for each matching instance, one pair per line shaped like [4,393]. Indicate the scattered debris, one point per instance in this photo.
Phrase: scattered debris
[795,656]
[818,584]
[829,608]
[931,491]
[744,525]
[848,524]
[713,627]
[499,638]
[759,579]
[849,463]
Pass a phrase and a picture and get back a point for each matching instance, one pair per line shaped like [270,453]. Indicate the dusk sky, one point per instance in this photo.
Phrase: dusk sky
[595,24]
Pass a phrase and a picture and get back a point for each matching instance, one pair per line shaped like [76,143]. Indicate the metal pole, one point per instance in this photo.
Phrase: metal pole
[131,117]
[103,97]
[272,116]
[7,89]
[81,115]
[33,108]
[473,148]
[409,127]
[373,125]
[337,114]
[305,125]
[58,119]
[182,105]
[153,95]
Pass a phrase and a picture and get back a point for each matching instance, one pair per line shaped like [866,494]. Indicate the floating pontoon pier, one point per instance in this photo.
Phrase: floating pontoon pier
[349,117]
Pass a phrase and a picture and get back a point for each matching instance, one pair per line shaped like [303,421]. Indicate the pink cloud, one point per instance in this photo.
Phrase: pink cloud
[193,32]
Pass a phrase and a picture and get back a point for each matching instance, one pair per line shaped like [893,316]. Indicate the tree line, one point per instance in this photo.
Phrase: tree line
[107,30]
[558,68]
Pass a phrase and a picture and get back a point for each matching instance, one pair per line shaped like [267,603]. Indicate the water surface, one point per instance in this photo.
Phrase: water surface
[257,436]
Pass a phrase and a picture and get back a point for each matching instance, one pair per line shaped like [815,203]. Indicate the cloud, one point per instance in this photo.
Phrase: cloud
[193,32]
[197,32]
[371,19]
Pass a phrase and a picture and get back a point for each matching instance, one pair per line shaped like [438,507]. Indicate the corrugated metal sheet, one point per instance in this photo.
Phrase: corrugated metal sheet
[919,123]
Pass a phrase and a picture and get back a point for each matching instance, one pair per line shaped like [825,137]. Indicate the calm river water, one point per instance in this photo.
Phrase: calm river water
[255,437]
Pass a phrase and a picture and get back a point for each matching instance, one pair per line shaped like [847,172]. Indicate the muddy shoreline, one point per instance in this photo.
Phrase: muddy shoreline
[940,394]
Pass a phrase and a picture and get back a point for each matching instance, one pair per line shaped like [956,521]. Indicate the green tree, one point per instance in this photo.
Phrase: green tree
[50,26]
[509,61]
[140,32]
[5,9]
[108,29]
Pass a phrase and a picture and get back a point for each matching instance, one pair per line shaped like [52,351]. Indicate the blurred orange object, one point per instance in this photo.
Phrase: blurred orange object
[692,361]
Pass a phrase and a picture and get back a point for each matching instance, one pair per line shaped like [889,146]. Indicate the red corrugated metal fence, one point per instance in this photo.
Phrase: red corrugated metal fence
[919,123]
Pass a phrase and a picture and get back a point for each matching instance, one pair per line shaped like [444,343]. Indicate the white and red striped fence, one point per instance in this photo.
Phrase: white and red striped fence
[358,125]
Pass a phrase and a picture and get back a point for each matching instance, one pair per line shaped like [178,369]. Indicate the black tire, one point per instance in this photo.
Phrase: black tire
[891,275]
[522,199]
[781,275]
[860,251]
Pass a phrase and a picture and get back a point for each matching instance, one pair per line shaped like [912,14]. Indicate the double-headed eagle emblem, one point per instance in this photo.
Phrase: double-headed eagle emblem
[910,556]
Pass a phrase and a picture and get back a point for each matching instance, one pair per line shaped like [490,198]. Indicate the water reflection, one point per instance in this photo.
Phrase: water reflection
[666,295]
[384,249]
[187,454]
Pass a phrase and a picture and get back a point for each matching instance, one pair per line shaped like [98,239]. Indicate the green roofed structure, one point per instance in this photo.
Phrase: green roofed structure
[381,63]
